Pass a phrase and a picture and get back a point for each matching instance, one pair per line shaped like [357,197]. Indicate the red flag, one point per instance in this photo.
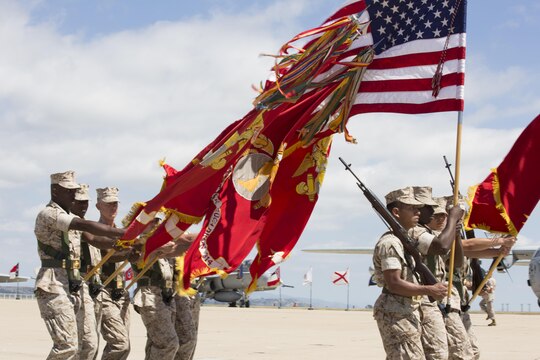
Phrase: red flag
[505,199]
[128,275]
[14,272]
[250,191]
[410,50]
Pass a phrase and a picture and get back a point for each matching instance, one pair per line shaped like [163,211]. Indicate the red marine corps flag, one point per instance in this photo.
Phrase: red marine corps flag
[505,199]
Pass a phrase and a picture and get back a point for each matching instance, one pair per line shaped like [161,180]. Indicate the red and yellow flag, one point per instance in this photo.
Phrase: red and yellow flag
[505,199]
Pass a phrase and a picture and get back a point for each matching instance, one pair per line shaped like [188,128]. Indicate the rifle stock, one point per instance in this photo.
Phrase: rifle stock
[426,276]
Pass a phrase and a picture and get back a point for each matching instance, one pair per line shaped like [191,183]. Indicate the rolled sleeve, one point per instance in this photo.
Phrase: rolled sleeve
[392,263]
[63,220]
[424,242]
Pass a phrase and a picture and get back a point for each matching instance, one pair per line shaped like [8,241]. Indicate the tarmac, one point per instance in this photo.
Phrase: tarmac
[272,333]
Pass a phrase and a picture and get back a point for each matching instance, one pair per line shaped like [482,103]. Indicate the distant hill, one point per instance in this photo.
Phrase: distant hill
[23,290]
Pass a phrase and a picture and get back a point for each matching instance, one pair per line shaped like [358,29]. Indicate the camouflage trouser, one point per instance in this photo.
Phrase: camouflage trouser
[113,320]
[158,318]
[187,325]
[58,312]
[434,337]
[459,345]
[86,326]
[466,318]
[400,334]
[487,306]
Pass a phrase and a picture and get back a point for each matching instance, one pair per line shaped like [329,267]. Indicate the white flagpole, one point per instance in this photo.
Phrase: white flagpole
[310,295]
[348,284]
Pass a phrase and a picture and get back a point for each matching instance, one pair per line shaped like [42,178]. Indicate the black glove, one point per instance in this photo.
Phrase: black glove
[94,289]
[75,286]
[117,294]
[167,295]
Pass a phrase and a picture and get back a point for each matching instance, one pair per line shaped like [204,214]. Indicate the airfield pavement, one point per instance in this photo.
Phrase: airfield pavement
[271,333]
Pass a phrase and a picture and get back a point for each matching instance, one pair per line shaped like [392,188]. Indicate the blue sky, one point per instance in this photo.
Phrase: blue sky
[108,88]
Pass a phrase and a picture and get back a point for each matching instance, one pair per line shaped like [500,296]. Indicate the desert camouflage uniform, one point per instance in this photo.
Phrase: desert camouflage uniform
[57,306]
[466,318]
[113,316]
[87,318]
[466,273]
[434,334]
[397,316]
[486,304]
[459,345]
[158,311]
[187,325]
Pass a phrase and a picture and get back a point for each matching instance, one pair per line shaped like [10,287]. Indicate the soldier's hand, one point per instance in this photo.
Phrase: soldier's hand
[509,241]
[438,291]
[504,251]
[456,212]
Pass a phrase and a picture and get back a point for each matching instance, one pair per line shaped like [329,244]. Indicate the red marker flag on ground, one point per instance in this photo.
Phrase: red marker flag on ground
[340,277]
[505,199]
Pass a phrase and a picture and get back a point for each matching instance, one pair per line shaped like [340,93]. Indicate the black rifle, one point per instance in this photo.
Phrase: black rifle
[477,273]
[420,269]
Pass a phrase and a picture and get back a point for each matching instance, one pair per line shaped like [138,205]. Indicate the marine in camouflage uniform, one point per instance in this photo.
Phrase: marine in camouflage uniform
[86,317]
[187,324]
[397,308]
[466,318]
[488,296]
[112,305]
[154,301]
[58,283]
[433,245]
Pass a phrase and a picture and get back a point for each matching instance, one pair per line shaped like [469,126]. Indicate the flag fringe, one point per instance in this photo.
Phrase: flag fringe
[135,210]
[498,205]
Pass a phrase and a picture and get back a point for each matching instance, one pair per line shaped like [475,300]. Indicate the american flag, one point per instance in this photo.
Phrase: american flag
[410,38]
[340,277]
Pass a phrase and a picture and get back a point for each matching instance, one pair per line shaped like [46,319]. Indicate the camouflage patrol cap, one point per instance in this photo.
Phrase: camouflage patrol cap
[65,179]
[441,206]
[423,194]
[405,196]
[108,194]
[82,193]
[462,203]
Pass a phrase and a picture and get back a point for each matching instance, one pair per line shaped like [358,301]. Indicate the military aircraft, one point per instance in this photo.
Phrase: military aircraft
[231,289]
[534,274]
[12,279]
[518,256]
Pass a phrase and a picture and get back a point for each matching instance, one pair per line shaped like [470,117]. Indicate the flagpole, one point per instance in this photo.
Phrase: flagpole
[17,297]
[456,193]
[486,278]
[310,295]
[347,309]
[279,306]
